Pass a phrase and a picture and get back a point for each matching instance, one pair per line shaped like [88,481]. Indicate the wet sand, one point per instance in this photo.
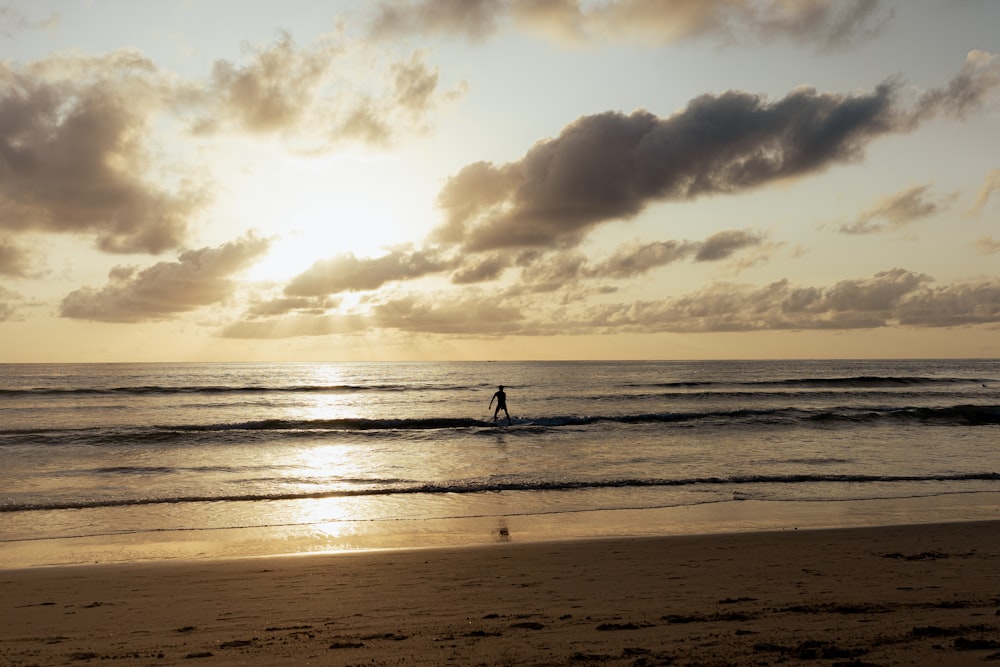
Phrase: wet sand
[924,595]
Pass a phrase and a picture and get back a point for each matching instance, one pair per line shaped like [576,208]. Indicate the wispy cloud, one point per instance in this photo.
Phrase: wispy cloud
[13,22]
[987,245]
[819,24]
[991,183]
[895,211]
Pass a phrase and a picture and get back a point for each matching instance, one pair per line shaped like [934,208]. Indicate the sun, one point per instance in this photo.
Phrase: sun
[318,208]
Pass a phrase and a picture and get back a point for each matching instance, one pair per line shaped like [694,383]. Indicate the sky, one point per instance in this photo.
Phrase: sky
[338,180]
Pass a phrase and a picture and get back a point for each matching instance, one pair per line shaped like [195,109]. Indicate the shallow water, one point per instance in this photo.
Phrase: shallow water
[121,461]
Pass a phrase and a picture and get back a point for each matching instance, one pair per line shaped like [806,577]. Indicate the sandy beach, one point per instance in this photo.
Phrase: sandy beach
[923,595]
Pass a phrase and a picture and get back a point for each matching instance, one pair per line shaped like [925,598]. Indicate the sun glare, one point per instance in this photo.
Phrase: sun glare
[335,205]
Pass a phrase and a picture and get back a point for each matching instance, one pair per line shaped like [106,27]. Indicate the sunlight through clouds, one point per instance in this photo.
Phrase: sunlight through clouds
[427,178]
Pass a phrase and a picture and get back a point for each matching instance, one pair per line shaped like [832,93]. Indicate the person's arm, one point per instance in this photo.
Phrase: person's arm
[492,399]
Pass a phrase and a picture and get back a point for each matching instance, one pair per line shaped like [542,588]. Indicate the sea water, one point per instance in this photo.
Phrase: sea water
[106,462]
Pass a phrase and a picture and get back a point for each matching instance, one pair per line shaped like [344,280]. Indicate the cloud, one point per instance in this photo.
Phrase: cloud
[273,91]
[565,271]
[979,76]
[15,260]
[347,273]
[987,245]
[474,19]
[76,155]
[611,166]
[465,314]
[724,244]
[894,212]
[282,305]
[12,22]
[198,278]
[959,304]
[990,184]
[888,299]
[468,314]
[12,304]
[317,96]
[73,157]
[823,24]
[633,259]
[827,24]
[558,271]
[295,326]
[9,301]
[481,268]
[540,271]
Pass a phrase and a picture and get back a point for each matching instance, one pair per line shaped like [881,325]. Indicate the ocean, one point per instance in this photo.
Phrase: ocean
[119,462]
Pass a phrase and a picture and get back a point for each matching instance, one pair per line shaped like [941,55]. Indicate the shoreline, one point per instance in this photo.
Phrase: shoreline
[348,536]
[924,593]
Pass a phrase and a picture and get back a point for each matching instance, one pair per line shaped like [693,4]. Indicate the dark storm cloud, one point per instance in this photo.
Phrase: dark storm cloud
[895,211]
[611,166]
[198,278]
[823,24]
[73,157]
[347,273]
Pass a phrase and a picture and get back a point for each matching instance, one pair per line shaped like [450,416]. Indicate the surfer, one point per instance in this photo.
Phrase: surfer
[500,396]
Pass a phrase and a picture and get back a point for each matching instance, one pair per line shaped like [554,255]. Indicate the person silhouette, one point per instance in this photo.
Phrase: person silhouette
[500,396]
